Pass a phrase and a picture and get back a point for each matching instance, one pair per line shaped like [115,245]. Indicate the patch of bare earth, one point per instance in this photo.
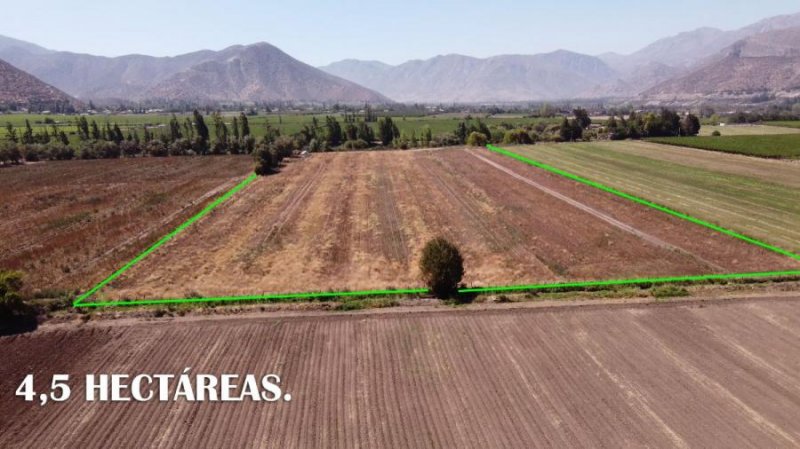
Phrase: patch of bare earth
[67,224]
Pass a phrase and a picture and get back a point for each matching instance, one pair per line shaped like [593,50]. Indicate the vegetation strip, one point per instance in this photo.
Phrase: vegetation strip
[417,291]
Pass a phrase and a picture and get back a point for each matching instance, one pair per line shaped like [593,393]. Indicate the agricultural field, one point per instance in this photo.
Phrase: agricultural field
[785,124]
[781,146]
[288,124]
[749,130]
[694,374]
[355,221]
[757,197]
[66,223]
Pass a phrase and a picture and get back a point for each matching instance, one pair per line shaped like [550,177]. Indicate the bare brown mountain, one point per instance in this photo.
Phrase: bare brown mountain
[765,62]
[259,72]
[464,79]
[19,88]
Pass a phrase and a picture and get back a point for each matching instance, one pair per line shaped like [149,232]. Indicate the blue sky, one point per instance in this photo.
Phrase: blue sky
[320,32]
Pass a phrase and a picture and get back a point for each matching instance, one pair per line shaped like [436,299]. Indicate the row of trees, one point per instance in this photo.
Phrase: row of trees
[664,124]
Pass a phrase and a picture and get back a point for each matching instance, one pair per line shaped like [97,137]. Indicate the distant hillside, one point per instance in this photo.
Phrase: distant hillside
[678,55]
[457,78]
[259,72]
[22,89]
[136,77]
[767,62]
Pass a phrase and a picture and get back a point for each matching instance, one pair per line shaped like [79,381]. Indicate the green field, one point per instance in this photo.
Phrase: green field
[784,146]
[732,192]
[287,123]
[747,130]
[785,124]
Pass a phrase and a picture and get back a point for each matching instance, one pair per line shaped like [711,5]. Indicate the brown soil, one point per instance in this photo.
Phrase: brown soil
[721,374]
[359,220]
[68,224]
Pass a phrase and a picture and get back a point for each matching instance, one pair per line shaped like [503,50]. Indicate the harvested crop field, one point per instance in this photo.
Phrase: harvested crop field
[359,220]
[721,374]
[70,223]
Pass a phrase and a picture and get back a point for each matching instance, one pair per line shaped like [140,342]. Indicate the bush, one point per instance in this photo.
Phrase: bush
[264,161]
[32,153]
[517,136]
[180,147]
[477,139]
[669,291]
[108,150]
[442,267]
[60,152]
[156,148]
[129,148]
[15,314]
[716,134]
[357,144]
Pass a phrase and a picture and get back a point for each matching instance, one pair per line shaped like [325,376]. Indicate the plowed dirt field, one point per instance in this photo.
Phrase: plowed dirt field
[359,221]
[713,375]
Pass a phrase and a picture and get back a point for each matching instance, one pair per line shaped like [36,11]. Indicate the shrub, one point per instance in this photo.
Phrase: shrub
[180,147]
[60,152]
[357,144]
[156,148]
[129,148]
[108,150]
[442,267]
[517,136]
[32,153]
[477,139]
[669,291]
[264,162]
[15,314]
[716,134]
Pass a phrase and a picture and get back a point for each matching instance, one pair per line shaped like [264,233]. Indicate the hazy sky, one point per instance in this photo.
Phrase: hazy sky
[320,32]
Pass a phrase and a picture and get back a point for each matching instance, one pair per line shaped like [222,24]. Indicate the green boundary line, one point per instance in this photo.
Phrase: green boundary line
[364,293]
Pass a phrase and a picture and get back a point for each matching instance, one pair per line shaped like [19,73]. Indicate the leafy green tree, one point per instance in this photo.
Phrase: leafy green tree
[264,162]
[244,124]
[690,125]
[11,133]
[441,267]
[202,133]
[387,130]
[582,117]
[15,314]
[333,133]
[477,139]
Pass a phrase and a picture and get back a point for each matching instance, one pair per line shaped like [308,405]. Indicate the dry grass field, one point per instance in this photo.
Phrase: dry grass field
[359,220]
[67,224]
[713,375]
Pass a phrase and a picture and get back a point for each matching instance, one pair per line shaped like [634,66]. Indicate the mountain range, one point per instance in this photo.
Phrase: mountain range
[20,89]
[704,63]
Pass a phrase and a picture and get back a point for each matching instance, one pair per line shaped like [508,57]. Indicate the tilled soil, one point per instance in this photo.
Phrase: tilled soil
[359,221]
[719,374]
[68,224]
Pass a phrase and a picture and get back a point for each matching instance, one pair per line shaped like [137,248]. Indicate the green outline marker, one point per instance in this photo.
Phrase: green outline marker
[365,293]
[166,238]
[645,202]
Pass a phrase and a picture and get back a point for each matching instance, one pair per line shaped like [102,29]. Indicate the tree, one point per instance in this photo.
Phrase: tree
[690,125]
[202,132]
[263,161]
[387,130]
[15,314]
[442,267]
[582,117]
[477,139]
[333,134]
[244,124]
